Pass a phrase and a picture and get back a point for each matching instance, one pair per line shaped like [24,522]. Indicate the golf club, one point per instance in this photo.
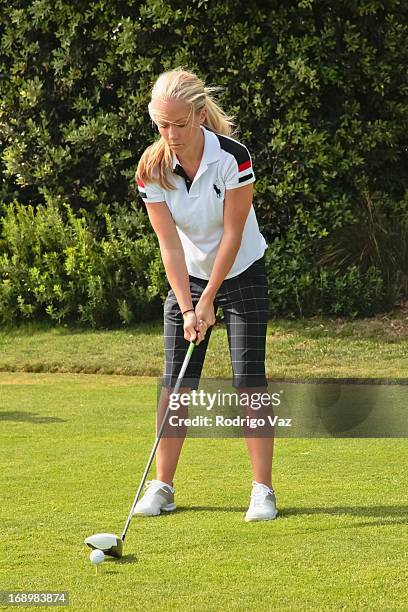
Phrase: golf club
[110,543]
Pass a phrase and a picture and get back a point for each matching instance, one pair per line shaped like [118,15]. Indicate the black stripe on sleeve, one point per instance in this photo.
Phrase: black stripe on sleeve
[246,177]
[235,148]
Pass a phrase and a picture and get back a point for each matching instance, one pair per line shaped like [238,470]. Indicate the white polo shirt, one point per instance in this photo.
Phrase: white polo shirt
[197,206]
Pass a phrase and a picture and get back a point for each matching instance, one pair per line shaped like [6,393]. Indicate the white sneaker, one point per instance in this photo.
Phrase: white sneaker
[158,496]
[262,506]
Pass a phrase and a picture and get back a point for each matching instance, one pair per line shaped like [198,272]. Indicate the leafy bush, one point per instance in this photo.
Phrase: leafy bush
[53,267]
[320,90]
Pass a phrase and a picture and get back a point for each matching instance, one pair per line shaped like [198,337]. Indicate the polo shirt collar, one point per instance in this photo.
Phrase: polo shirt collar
[212,149]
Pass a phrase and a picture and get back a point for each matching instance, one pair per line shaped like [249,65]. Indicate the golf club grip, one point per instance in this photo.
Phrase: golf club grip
[158,437]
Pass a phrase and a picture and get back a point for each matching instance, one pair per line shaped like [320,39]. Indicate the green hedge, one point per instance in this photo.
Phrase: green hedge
[52,266]
[320,90]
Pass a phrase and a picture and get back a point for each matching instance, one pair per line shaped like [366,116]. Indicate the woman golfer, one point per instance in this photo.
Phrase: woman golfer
[197,184]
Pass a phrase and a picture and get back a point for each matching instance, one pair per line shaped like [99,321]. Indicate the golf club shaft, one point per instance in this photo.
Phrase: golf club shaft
[158,437]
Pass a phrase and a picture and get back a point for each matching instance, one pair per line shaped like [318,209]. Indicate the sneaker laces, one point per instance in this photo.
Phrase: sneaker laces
[152,486]
[259,492]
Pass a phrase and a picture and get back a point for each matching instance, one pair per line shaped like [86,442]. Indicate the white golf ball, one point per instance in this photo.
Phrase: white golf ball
[97,557]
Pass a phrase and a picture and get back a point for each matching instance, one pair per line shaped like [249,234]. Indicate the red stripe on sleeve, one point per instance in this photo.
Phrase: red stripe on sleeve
[139,182]
[244,165]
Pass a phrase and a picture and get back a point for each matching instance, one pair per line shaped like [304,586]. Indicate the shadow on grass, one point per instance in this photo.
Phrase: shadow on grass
[385,523]
[381,512]
[28,417]
[207,509]
[374,511]
[123,560]
[390,521]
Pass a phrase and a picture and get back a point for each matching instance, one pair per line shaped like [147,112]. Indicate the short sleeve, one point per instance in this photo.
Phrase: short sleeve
[150,192]
[239,170]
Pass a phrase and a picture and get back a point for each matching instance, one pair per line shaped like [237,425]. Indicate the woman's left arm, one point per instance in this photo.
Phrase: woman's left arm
[237,204]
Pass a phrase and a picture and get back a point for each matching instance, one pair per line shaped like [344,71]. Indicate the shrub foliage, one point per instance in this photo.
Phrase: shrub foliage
[320,91]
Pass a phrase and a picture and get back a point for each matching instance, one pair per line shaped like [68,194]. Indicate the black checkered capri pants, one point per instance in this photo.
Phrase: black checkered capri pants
[244,301]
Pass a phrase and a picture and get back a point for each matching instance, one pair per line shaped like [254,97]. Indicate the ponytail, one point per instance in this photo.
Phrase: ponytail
[217,120]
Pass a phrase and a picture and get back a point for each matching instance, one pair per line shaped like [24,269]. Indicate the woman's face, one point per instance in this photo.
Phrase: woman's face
[176,124]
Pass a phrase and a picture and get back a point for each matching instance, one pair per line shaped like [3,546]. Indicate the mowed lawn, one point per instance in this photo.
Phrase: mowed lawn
[72,451]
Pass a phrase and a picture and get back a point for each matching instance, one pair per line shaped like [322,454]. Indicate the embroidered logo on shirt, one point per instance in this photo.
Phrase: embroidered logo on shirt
[217,190]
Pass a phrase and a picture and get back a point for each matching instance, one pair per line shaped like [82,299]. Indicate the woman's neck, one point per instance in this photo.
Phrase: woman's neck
[193,156]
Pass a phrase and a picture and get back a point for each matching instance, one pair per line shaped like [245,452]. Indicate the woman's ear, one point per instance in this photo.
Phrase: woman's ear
[203,115]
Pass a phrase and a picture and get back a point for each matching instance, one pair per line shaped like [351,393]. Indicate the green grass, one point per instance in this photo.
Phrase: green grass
[73,448]
[307,348]
[74,441]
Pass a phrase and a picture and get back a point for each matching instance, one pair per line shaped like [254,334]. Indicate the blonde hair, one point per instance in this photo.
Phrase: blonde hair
[157,160]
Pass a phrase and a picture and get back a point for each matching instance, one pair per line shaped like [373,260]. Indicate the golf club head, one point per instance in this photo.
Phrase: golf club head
[109,543]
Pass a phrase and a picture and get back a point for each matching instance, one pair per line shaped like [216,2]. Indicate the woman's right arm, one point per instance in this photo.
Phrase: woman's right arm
[172,254]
